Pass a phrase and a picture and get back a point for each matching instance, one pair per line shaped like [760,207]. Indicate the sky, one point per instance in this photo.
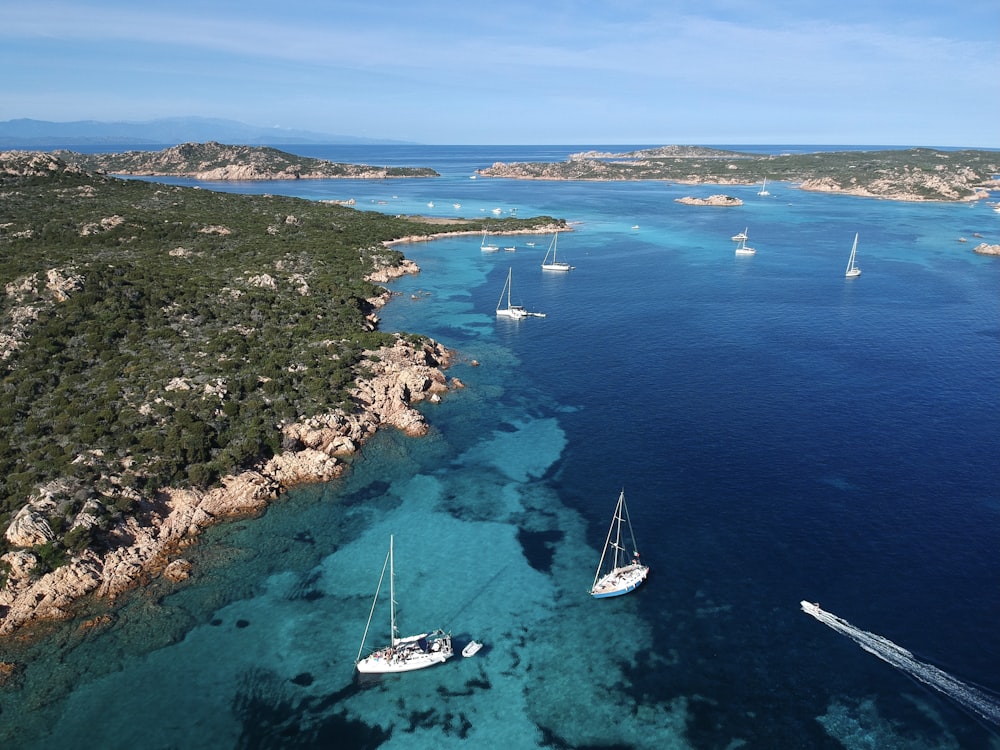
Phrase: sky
[652,72]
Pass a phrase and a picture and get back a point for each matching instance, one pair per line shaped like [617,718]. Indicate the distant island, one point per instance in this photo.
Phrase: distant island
[712,200]
[918,174]
[215,161]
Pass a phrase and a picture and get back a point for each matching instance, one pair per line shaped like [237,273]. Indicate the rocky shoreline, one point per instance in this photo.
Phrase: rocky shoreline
[151,542]
[547,229]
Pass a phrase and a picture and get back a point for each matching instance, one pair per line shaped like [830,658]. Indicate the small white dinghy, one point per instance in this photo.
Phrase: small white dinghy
[472,648]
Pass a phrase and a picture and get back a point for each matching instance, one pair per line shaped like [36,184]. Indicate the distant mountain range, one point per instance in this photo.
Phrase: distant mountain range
[169,131]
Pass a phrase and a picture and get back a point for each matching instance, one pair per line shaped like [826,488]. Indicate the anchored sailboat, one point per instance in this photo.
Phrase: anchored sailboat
[486,246]
[852,268]
[554,265]
[742,248]
[402,654]
[763,189]
[514,312]
[617,573]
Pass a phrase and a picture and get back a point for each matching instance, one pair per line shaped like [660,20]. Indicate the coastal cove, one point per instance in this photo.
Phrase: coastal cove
[781,433]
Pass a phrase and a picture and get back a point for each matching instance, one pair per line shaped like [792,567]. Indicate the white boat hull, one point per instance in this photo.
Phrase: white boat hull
[620,581]
[409,654]
[513,313]
[471,649]
[556,267]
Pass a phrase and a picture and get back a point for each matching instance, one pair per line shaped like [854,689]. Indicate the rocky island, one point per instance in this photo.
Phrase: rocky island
[215,161]
[173,357]
[918,174]
[712,200]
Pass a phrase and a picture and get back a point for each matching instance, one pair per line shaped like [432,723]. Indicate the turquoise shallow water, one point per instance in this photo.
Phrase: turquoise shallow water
[781,434]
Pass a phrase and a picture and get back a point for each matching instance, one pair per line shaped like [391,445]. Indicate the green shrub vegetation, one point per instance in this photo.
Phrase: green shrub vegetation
[191,325]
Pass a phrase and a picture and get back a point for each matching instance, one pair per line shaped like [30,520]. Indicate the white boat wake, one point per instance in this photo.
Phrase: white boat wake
[969,697]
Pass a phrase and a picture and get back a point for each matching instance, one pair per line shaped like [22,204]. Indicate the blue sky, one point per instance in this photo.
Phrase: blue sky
[520,72]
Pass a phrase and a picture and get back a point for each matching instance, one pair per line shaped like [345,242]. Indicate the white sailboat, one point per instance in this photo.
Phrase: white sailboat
[739,236]
[742,248]
[763,188]
[486,246]
[852,268]
[402,654]
[617,573]
[514,312]
[554,265]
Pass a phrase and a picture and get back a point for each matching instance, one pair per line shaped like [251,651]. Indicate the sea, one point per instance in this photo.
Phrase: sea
[781,434]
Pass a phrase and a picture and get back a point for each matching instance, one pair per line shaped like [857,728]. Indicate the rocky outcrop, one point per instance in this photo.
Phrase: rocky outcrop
[50,597]
[984,249]
[30,296]
[149,543]
[21,164]
[712,200]
[30,526]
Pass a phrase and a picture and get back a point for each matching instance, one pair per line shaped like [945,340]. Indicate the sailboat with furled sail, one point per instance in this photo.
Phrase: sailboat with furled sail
[402,654]
[487,245]
[514,312]
[554,265]
[619,572]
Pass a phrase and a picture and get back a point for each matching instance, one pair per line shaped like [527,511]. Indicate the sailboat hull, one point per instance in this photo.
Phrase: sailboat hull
[409,654]
[620,581]
[514,313]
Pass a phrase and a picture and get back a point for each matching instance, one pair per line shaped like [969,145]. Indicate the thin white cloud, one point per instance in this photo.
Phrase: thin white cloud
[674,59]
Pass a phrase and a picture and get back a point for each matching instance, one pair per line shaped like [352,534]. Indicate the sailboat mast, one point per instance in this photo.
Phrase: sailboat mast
[392,592]
[506,288]
[375,601]
[618,536]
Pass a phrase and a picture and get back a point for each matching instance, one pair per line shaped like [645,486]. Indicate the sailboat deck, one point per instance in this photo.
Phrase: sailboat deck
[621,580]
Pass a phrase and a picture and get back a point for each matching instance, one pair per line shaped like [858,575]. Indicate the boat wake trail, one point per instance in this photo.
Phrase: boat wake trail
[969,697]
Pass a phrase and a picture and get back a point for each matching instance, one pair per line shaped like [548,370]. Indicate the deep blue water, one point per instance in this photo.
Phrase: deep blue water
[781,434]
